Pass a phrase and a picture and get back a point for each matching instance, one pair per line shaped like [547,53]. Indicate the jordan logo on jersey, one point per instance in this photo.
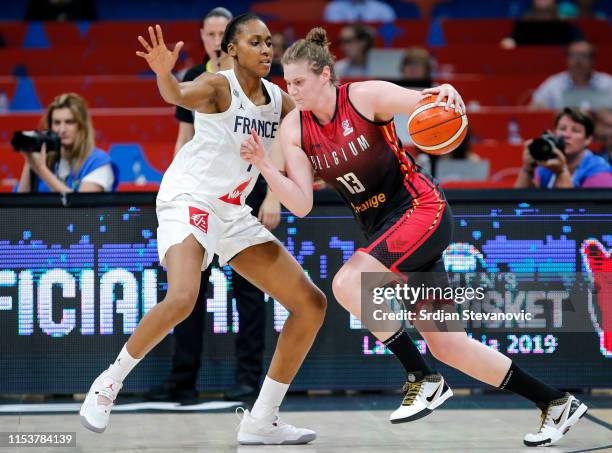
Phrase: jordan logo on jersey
[235,195]
[198,218]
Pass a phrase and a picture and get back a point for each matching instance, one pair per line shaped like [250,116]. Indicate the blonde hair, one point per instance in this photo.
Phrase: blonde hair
[315,50]
[84,140]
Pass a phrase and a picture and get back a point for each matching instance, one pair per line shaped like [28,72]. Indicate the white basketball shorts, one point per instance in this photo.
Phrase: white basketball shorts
[226,238]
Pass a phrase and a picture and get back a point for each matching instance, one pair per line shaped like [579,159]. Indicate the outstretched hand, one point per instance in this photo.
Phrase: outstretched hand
[252,149]
[158,56]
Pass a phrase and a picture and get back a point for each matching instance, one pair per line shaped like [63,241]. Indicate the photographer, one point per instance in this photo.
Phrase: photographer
[562,159]
[68,161]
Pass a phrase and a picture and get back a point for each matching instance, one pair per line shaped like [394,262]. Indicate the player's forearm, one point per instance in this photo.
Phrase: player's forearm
[287,191]
[169,88]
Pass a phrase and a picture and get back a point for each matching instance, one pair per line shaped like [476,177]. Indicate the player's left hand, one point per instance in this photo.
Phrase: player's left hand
[557,164]
[448,92]
[252,149]
[269,212]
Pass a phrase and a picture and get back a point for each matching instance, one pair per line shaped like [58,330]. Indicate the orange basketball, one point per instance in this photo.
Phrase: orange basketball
[435,130]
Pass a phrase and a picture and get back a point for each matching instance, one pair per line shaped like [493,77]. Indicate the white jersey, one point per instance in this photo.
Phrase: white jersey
[209,168]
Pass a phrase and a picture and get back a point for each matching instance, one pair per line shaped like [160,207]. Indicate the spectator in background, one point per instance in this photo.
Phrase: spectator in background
[356,42]
[603,133]
[578,86]
[358,11]
[79,166]
[543,10]
[416,68]
[580,9]
[542,25]
[279,45]
[577,166]
[61,10]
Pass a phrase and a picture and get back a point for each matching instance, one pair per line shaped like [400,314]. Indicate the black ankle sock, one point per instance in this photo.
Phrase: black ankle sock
[522,383]
[406,351]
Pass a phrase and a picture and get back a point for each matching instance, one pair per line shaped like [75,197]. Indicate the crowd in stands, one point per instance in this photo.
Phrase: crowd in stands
[534,65]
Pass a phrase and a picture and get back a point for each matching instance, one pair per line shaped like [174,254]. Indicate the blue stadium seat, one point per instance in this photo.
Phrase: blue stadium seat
[132,163]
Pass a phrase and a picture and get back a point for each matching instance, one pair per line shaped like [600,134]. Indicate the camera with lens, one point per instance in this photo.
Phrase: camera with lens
[541,148]
[32,141]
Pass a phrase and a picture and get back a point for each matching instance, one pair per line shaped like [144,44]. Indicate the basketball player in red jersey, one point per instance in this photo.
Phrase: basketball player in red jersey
[346,136]
[201,211]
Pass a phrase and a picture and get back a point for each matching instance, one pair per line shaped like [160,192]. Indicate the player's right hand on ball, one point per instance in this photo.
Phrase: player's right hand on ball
[160,58]
[252,149]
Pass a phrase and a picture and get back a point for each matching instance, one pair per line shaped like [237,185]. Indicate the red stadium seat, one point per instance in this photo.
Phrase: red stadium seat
[501,156]
[500,90]
[8,84]
[77,60]
[492,123]
[126,32]
[598,31]
[159,154]
[102,91]
[63,34]
[13,32]
[491,60]
[11,164]
[301,11]
[135,125]
[476,31]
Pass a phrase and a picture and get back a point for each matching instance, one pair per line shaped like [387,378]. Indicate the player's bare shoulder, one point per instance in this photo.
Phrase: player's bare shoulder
[288,104]
[364,96]
[214,92]
[291,129]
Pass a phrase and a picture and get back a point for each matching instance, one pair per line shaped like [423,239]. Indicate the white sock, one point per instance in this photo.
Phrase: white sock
[122,366]
[269,399]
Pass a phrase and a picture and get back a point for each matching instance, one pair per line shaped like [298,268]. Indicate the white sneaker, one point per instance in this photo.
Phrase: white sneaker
[98,403]
[253,431]
[557,419]
[421,398]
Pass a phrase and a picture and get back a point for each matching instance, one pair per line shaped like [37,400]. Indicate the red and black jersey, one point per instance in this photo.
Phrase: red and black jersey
[364,161]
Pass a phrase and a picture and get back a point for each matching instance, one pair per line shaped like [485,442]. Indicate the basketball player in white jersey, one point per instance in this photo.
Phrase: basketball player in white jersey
[201,212]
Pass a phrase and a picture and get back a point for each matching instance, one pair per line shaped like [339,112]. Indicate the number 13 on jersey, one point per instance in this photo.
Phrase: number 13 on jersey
[352,183]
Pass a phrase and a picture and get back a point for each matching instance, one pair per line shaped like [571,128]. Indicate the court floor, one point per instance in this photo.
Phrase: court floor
[344,424]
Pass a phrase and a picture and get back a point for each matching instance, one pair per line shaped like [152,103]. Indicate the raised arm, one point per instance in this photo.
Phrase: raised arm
[380,101]
[294,190]
[194,95]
